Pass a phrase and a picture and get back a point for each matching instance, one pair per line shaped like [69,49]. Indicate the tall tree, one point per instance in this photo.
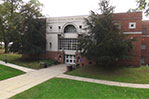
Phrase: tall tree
[105,43]
[9,20]
[33,38]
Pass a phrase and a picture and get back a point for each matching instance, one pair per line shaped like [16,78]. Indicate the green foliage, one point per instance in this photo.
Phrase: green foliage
[58,88]
[20,24]
[29,63]
[143,5]
[126,74]
[8,72]
[9,20]
[32,38]
[105,43]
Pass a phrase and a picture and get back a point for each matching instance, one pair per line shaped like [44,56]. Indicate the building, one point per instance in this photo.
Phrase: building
[62,37]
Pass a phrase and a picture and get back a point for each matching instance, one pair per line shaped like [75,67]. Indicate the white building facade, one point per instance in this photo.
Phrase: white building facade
[62,38]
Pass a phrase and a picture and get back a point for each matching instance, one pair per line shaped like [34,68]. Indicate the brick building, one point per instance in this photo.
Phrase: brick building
[62,34]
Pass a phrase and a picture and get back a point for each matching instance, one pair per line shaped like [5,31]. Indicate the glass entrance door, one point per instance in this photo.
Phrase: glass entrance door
[70,59]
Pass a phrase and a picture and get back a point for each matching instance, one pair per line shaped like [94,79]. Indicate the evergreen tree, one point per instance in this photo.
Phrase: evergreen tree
[104,43]
[33,38]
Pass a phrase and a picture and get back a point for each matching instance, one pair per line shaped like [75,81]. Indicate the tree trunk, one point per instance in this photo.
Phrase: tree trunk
[6,47]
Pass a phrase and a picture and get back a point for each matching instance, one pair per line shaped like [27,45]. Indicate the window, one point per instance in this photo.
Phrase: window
[59,27]
[142,61]
[50,27]
[80,26]
[118,25]
[68,44]
[70,29]
[144,31]
[143,46]
[59,58]
[132,25]
[50,45]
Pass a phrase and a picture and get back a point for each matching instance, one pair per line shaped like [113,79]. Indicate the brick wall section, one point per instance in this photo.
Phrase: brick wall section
[54,55]
[145,41]
[136,53]
[145,24]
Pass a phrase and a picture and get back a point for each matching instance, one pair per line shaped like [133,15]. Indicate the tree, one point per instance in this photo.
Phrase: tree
[105,43]
[9,20]
[33,38]
[143,5]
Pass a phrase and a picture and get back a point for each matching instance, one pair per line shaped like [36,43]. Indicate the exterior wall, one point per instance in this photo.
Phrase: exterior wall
[124,19]
[59,23]
[53,39]
[145,41]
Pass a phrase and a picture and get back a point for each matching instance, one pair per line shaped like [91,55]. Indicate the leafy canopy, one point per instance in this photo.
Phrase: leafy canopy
[104,43]
[32,38]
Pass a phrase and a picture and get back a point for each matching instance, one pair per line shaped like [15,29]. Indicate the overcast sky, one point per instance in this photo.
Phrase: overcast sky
[57,8]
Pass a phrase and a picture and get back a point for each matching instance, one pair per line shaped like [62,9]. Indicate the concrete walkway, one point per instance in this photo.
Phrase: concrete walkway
[18,84]
[17,67]
[104,82]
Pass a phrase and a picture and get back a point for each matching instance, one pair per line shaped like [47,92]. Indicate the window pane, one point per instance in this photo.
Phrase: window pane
[68,44]
[143,30]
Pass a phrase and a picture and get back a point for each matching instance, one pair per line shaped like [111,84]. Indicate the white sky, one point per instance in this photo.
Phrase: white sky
[56,8]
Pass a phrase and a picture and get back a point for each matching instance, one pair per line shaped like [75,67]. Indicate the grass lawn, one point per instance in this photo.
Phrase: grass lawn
[129,75]
[70,89]
[8,72]
[17,59]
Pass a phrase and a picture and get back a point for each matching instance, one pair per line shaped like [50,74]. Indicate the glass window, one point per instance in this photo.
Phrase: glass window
[118,25]
[68,44]
[143,47]
[80,26]
[142,61]
[50,44]
[143,30]
[70,29]
[132,25]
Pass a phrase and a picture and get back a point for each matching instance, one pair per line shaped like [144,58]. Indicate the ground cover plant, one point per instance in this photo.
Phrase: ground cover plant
[17,59]
[70,89]
[126,74]
[8,72]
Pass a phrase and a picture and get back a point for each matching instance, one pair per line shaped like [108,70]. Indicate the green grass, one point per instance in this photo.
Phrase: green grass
[18,60]
[129,75]
[70,89]
[7,72]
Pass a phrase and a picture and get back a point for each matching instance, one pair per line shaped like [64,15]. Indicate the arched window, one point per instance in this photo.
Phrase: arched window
[70,29]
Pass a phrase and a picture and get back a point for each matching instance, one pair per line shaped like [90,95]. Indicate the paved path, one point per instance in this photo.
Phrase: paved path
[18,84]
[104,82]
[17,67]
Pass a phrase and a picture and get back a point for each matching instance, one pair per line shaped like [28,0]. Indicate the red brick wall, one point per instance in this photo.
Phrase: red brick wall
[145,41]
[54,55]
[125,18]
[145,24]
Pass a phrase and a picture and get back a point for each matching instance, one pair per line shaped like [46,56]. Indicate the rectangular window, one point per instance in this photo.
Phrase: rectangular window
[144,31]
[143,46]
[118,25]
[68,44]
[142,61]
[132,25]
[50,45]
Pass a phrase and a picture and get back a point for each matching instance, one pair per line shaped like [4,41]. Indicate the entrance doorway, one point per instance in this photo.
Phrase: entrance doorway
[70,59]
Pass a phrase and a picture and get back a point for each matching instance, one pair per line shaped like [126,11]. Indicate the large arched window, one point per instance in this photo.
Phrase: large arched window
[70,29]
